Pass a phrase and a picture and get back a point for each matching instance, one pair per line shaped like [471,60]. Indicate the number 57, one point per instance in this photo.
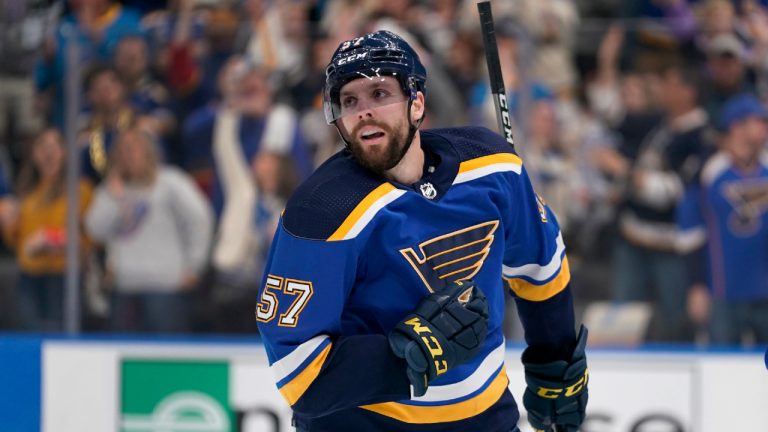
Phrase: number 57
[266,308]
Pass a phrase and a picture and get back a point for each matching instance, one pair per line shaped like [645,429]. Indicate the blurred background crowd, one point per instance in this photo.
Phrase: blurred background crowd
[640,122]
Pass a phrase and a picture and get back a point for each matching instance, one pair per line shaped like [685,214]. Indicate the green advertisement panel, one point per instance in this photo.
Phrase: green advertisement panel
[175,396]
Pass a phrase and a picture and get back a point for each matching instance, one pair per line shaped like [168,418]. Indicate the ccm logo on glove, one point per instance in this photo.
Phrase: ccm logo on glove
[431,343]
[571,390]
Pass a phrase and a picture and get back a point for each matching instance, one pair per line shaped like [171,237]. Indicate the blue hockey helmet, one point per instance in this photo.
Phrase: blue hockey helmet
[378,54]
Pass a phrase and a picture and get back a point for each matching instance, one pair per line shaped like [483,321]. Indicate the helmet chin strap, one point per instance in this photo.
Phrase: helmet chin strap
[412,128]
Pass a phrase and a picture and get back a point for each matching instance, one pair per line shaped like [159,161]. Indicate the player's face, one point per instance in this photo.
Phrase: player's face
[374,121]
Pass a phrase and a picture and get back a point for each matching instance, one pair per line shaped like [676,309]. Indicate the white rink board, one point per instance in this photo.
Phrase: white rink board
[623,392]
[700,392]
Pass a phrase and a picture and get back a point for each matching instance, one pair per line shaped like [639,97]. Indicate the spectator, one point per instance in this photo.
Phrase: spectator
[220,45]
[729,72]
[235,287]
[462,60]
[552,26]
[625,104]
[714,18]
[663,31]
[647,266]
[96,26]
[438,22]
[725,224]
[36,229]
[147,96]
[179,22]
[22,28]
[551,163]
[521,90]
[274,35]
[229,137]
[343,19]
[307,97]
[110,113]
[147,213]
[259,124]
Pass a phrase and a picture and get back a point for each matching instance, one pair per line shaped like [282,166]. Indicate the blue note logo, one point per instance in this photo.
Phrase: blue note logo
[749,199]
[452,257]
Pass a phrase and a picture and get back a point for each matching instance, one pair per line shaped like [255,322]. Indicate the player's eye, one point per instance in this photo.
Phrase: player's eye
[348,102]
[380,94]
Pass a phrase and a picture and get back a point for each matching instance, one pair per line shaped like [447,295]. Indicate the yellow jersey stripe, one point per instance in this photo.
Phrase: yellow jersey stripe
[360,210]
[293,390]
[483,161]
[445,413]
[529,291]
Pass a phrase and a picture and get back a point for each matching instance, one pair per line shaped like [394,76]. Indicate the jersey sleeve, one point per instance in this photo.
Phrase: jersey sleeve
[690,220]
[304,289]
[536,271]
[692,233]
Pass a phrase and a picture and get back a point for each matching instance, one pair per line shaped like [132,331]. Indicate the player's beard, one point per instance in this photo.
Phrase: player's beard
[383,157]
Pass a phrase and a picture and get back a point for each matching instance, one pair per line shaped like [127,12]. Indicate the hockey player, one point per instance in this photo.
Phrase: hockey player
[382,302]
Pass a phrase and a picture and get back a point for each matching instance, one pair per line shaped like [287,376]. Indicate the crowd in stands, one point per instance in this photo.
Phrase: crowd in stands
[641,123]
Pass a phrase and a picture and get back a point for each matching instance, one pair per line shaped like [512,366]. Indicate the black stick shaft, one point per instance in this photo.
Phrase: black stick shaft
[498,92]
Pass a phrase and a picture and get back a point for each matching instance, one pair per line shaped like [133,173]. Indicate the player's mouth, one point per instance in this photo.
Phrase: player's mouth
[372,136]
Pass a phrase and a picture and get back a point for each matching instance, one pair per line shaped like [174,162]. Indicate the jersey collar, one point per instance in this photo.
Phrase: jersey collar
[441,165]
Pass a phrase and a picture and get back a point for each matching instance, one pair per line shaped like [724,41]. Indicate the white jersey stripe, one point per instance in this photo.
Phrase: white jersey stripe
[537,272]
[485,371]
[286,365]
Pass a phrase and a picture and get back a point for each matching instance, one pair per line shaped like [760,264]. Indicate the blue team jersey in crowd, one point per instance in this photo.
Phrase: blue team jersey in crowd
[727,213]
[354,254]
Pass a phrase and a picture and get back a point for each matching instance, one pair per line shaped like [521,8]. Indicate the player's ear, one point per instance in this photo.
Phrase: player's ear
[417,107]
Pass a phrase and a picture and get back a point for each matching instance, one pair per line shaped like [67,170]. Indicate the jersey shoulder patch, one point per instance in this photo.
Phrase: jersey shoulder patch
[472,142]
[321,205]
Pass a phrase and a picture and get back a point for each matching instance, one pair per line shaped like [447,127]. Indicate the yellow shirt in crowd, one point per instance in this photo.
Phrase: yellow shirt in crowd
[37,213]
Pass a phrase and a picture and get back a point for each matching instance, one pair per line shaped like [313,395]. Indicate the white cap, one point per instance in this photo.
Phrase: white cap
[727,44]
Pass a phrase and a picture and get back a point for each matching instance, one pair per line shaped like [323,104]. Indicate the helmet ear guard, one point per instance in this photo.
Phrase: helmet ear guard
[411,88]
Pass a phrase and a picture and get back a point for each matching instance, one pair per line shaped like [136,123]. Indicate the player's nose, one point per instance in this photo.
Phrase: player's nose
[365,113]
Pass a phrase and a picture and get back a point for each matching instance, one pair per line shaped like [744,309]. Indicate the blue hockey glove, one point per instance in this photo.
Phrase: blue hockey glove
[446,329]
[557,391]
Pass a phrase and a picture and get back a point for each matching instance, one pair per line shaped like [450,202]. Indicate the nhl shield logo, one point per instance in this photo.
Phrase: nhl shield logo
[428,190]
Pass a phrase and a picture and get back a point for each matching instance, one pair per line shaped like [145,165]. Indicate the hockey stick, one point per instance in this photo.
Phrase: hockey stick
[498,92]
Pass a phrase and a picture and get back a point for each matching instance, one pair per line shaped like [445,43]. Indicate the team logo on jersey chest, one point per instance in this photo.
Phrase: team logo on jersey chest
[428,190]
[454,256]
[750,201]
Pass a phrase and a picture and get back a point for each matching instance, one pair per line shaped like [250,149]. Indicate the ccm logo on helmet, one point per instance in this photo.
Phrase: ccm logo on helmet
[351,58]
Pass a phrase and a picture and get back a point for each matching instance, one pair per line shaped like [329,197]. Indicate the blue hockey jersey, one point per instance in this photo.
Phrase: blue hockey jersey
[726,214]
[355,253]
